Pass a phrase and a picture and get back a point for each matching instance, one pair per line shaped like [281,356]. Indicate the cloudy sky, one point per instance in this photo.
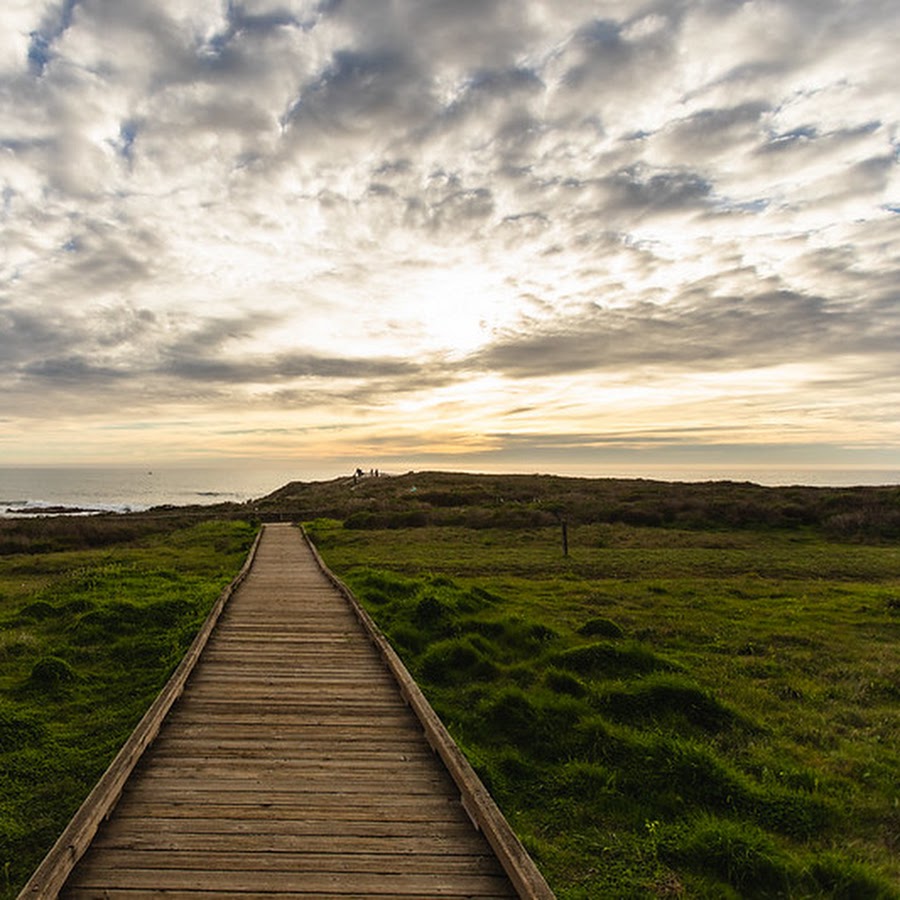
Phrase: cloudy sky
[531,234]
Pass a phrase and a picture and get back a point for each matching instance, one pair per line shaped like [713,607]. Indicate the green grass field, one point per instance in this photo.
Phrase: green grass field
[701,701]
[665,713]
[87,639]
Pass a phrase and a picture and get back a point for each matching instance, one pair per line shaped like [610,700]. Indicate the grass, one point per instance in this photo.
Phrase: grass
[87,639]
[667,712]
[701,701]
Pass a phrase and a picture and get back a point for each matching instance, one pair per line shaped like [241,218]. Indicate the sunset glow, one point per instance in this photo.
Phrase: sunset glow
[545,236]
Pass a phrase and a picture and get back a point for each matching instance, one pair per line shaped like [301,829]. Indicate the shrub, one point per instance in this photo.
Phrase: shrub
[509,774]
[431,614]
[486,597]
[444,498]
[797,815]
[544,727]
[677,771]
[565,683]
[456,661]
[516,639]
[386,583]
[368,520]
[406,637]
[741,855]
[601,627]
[167,613]
[513,716]
[79,605]
[610,660]
[365,520]
[845,879]
[50,673]
[122,617]
[690,771]
[580,780]
[39,611]
[666,697]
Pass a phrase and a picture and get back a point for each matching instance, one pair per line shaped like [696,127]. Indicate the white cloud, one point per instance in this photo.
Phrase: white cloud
[300,204]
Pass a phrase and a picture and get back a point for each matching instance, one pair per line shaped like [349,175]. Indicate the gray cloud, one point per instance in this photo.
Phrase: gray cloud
[284,367]
[706,332]
[357,92]
[692,186]
[135,355]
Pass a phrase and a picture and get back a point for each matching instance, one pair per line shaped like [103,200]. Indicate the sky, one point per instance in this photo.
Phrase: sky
[530,235]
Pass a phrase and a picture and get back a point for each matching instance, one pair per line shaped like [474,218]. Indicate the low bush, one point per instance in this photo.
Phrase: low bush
[600,627]
[50,673]
[661,698]
[739,855]
[19,728]
[456,661]
[542,727]
[844,879]
[611,660]
[797,815]
[39,611]
[565,683]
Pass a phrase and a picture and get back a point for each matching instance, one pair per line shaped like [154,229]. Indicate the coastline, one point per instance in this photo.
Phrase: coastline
[41,491]
[32,492]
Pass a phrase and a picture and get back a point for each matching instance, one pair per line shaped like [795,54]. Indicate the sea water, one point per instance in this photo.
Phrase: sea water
[29,490]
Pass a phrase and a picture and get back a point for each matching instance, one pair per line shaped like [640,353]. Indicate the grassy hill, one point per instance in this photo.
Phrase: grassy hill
[699,700]
[417,499]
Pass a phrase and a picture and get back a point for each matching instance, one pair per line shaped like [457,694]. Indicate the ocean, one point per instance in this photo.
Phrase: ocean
[31,490]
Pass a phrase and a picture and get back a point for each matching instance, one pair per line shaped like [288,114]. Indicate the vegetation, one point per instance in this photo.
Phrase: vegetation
[87,639]
[418,499]
[703,709]
[699,701]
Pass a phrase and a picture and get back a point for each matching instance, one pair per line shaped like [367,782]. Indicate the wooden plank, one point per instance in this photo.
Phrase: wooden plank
[382,803]
[223,740]
[146,893]
[309,883]
[237,708]
[331,808]
[280,834]
[225,778]
[190,768]
[362,735]
[259,859]
[255,675]
[312,752]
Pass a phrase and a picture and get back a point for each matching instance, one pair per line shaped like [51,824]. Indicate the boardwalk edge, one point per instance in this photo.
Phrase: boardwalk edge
[478,803]
[49,877]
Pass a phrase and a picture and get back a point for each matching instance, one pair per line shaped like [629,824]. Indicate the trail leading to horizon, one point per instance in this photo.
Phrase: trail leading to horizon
[290,767]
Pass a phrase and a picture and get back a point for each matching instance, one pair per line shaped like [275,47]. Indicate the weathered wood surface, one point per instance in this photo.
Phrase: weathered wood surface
[291,766]
[78,834]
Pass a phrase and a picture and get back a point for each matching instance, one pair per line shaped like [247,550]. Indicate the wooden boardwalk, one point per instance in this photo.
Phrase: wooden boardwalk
[291,766]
